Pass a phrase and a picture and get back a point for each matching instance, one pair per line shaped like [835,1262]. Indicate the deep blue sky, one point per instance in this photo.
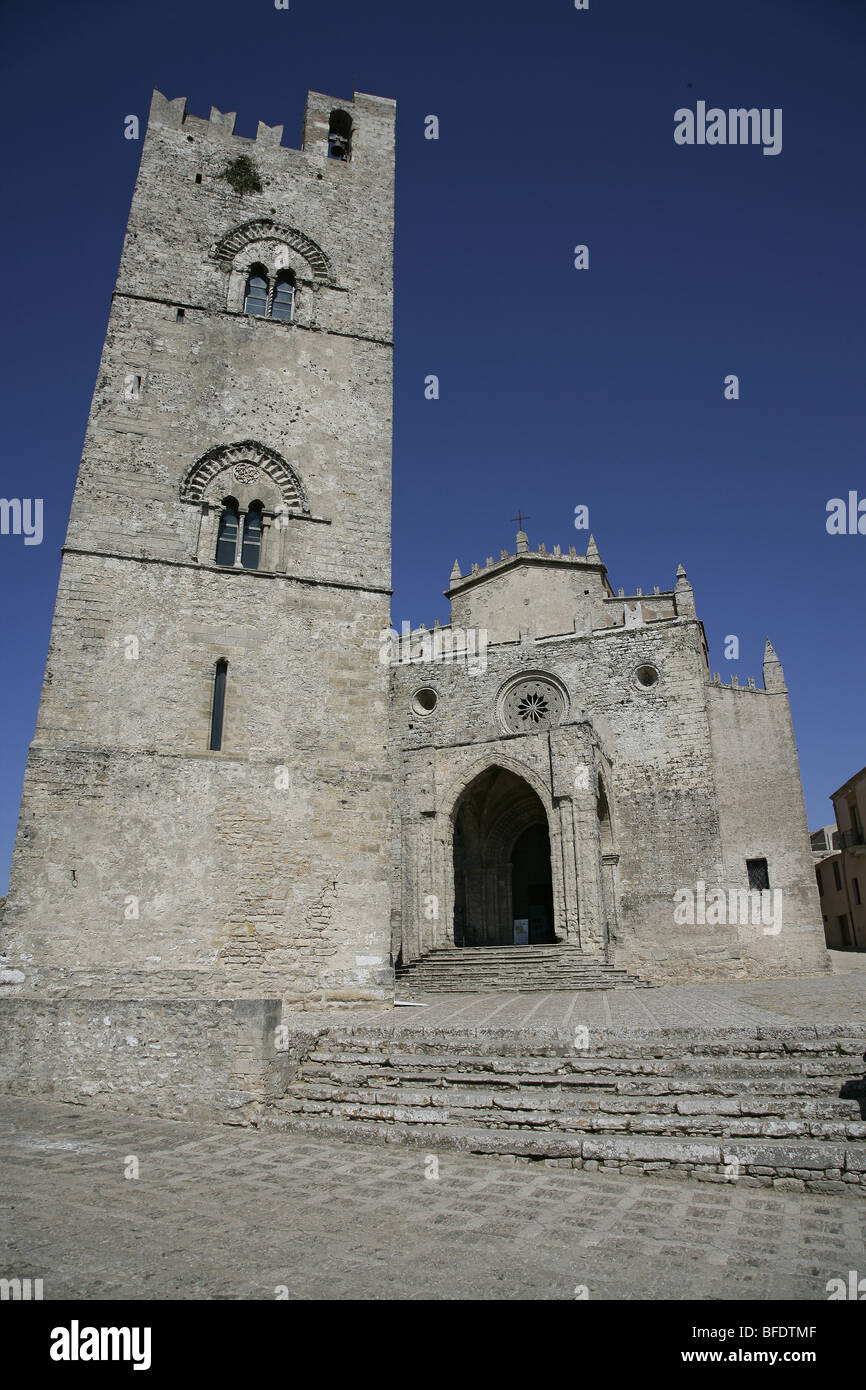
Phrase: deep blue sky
[558,387]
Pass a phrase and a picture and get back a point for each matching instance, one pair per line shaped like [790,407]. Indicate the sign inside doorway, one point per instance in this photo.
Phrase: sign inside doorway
[521,931]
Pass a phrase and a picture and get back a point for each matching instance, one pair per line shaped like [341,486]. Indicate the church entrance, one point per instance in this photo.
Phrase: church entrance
[503,888]
[532,885]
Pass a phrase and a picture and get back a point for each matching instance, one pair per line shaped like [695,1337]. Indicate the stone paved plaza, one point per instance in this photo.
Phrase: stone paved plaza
[839,998]
[234,1214]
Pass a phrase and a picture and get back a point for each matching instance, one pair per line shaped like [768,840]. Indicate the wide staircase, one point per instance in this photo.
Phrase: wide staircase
[772,1106]
[475,969]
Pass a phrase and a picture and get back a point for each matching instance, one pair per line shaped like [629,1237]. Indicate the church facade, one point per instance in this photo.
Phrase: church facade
[243,784]
[567,769]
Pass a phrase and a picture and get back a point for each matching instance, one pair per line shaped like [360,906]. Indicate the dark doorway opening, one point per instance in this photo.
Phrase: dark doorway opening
[502,865]
[532,884]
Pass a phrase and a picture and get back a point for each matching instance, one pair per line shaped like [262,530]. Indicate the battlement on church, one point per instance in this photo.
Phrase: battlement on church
[523,554]
[556,593]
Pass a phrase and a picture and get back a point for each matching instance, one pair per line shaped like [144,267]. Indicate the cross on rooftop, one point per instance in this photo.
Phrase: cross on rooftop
[520,518]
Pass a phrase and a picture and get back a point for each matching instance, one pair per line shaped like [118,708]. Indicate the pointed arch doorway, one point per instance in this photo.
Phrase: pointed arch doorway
[502,864]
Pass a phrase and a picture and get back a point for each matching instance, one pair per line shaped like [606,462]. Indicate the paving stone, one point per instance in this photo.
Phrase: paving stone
[228,1213]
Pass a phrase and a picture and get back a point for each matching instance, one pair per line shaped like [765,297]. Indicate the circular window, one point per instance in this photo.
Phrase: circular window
[531,704]
[424,701]
[647,676]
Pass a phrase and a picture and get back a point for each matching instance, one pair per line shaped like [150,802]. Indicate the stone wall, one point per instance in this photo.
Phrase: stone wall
[698,778]
[145,863]
[219,1060]
[763,815]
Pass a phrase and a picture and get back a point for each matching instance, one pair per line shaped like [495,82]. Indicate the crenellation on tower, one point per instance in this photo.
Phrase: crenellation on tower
[223,121]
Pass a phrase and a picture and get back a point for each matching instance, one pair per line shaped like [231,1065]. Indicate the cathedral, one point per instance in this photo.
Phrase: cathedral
[245,786]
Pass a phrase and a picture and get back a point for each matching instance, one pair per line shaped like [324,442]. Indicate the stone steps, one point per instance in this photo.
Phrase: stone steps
[495,1092]
[794,1165]
[459,970]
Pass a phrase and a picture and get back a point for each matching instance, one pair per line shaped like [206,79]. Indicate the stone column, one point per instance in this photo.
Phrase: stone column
[239,543]
[565,877]
[609,863]
[205,547]
[267,561]
[588,856]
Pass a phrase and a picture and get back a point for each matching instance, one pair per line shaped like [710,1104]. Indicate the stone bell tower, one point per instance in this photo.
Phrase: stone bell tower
[206,808]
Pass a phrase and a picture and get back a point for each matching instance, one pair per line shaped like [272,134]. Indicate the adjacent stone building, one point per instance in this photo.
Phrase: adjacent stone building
[567,770]
[841,873]
[243,785]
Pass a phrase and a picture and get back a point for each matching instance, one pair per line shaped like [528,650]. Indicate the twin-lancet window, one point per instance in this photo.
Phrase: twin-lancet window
[268,298]
[239,538]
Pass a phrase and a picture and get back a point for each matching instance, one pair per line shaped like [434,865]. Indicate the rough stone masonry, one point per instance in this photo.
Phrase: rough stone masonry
[230,794]
[148,863]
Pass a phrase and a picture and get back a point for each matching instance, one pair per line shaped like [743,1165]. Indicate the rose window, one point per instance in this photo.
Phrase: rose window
[533,708]
[532,705]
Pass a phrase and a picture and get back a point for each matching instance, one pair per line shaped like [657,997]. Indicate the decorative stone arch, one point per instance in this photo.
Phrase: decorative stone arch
[505,831]
[265,229]
[246,453]
[458,784]
[251,473]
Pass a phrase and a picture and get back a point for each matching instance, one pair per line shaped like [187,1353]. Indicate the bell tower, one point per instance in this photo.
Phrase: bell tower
[207,804]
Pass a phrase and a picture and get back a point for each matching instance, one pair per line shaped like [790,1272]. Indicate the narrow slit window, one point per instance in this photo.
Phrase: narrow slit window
[219,704]
[251,549]
[227,536]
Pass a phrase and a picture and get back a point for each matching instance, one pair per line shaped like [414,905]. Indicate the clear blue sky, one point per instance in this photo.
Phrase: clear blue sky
[558,387]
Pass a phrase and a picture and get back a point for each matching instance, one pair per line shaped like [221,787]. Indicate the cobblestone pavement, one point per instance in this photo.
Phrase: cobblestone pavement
[830,999]
[234,1214]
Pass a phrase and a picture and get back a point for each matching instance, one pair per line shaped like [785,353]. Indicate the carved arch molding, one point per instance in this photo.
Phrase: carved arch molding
[264,228]
[243,457]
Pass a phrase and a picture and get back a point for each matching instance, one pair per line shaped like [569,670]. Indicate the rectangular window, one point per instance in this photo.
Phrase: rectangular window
[759,876]
[180,315]
[856,883]
[820,883]
[837,877]
[219,702]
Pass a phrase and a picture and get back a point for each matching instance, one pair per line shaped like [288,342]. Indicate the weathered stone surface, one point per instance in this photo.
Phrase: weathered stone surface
[147,865]
[643,791]
[358,1221]
[192,1058]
